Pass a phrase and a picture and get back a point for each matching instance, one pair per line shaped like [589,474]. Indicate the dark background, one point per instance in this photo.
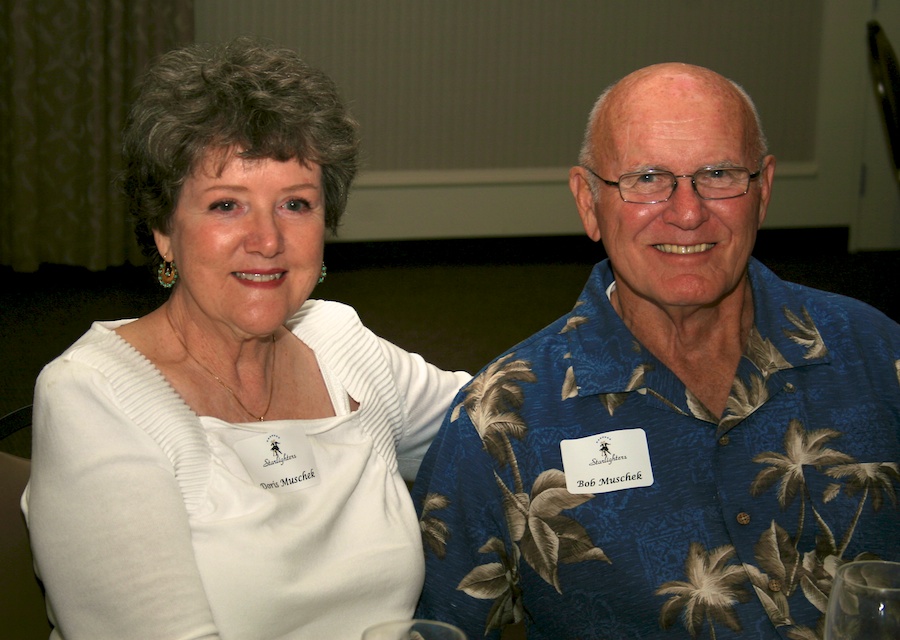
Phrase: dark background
[459,303]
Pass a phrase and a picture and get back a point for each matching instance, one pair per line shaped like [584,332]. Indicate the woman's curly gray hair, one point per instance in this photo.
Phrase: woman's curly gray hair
[263,101]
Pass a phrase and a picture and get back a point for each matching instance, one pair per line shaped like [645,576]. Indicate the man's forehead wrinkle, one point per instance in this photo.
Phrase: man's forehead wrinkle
[666,102]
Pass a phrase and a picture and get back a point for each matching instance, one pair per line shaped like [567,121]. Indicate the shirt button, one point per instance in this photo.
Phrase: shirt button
[789,387]
[774,585]
[743,518]
[724,440]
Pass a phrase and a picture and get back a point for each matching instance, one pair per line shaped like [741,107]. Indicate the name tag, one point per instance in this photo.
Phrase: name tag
[279,462]
[607,462]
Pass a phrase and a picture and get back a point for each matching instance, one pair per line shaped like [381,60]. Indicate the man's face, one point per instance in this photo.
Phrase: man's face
[687,251]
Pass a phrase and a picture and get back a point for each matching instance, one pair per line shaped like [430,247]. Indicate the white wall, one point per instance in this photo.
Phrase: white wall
[422,93]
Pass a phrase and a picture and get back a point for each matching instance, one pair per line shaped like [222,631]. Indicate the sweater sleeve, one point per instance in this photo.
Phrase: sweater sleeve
[406,397]
[107,517]
[426,393]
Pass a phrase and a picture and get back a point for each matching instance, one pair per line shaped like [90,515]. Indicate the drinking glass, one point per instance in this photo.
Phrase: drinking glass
[864,602]
[413,630]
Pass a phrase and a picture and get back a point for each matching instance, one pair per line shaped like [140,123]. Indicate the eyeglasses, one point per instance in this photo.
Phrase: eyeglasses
[710,183]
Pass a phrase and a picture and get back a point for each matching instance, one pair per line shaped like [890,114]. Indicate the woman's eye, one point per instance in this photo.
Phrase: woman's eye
[296,204]
[225,206]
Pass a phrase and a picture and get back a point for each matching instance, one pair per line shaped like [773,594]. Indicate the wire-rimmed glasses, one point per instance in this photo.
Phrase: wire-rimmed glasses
[653,186]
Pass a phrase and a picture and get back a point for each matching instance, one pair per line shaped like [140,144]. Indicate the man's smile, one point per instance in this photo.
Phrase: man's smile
[684,249]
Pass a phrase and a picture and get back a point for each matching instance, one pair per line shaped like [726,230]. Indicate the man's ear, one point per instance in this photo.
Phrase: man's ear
[584,200]
[766,176]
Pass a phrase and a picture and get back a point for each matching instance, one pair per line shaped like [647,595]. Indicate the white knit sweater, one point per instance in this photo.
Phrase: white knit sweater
[146,522]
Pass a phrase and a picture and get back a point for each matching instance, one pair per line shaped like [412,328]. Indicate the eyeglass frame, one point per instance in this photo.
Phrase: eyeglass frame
[750,178]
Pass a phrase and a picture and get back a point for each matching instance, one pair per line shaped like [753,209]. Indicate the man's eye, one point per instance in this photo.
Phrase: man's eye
[650,178]
[720,176]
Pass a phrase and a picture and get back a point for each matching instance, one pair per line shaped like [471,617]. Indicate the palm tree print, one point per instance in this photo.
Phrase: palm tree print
[635,383]
[546,537]
[538,532]
[491,401]
[708,596]
[806,334]
[573,323]
[802,448]
[774,602]
[434,531]
[778,557]
[497,581]
[744,399]
[764,355]
[875,478]
[541,536]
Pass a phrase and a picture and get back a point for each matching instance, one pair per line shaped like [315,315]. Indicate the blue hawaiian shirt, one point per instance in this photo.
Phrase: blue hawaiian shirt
[711,526]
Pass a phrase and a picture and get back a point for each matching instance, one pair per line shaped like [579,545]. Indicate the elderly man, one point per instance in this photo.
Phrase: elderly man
[694,449]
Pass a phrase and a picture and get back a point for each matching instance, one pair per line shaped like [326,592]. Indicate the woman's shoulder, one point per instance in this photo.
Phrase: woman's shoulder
[98,344]
[100,353]
[328,325]
[314,311]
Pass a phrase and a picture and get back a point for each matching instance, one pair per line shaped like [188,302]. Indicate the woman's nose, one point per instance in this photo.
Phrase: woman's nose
[264,235]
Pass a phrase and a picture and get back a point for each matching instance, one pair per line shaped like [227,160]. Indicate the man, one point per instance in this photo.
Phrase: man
[697,445]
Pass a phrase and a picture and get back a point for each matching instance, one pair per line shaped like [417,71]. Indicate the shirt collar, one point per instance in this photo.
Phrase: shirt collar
[605,355]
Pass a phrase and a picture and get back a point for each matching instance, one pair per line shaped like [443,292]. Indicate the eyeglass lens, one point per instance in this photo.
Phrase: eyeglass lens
[658,186]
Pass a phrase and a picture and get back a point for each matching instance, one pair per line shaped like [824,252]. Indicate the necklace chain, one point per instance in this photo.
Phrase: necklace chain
[258,418]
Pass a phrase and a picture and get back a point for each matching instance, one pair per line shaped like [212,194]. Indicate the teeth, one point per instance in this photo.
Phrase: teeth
[684,248]
[258,277]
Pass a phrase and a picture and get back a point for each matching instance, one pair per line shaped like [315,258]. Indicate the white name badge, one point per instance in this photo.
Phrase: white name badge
[607,462]
[279,461]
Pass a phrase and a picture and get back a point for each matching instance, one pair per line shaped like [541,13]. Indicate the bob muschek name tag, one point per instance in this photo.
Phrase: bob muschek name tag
[279,462]
[607,462]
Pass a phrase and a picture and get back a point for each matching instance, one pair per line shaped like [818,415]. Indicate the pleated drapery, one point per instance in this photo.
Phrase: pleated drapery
[69,70]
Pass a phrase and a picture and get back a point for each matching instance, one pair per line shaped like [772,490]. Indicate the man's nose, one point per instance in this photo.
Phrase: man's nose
[685,208]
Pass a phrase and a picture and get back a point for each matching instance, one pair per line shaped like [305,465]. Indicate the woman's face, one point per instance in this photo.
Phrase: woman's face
[247,241]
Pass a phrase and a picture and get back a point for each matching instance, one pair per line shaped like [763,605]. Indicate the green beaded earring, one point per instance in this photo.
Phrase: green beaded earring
[167,273]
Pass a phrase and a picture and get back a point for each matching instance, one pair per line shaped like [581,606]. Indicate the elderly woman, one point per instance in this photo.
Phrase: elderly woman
[232,464]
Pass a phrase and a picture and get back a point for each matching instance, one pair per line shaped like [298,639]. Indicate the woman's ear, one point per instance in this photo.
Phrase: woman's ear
[163,244]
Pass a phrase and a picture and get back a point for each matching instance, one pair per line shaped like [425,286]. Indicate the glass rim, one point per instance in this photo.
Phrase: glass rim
[411,624]
[854,578]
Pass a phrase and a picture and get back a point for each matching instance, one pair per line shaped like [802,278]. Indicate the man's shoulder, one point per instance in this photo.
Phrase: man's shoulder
[842,314]
[832,312]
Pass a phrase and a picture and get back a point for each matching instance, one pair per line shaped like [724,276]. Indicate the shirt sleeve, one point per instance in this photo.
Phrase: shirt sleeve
[469,572]
[107,519]
[426,392]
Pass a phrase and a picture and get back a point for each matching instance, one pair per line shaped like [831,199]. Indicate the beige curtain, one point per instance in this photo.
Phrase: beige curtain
[69,69]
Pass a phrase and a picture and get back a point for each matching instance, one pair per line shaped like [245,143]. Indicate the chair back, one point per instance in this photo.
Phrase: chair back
[22,612]
[15,421]
[883,67]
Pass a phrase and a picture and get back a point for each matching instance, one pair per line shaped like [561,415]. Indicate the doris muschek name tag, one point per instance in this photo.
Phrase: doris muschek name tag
[279,461]
[606,462]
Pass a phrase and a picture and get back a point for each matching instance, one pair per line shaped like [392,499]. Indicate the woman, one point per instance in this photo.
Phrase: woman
[230,464]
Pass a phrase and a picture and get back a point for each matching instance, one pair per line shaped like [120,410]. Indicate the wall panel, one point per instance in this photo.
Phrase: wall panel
[474,84]
[473,110]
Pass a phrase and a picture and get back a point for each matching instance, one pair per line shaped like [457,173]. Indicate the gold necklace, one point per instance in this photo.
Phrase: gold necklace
[257,418]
